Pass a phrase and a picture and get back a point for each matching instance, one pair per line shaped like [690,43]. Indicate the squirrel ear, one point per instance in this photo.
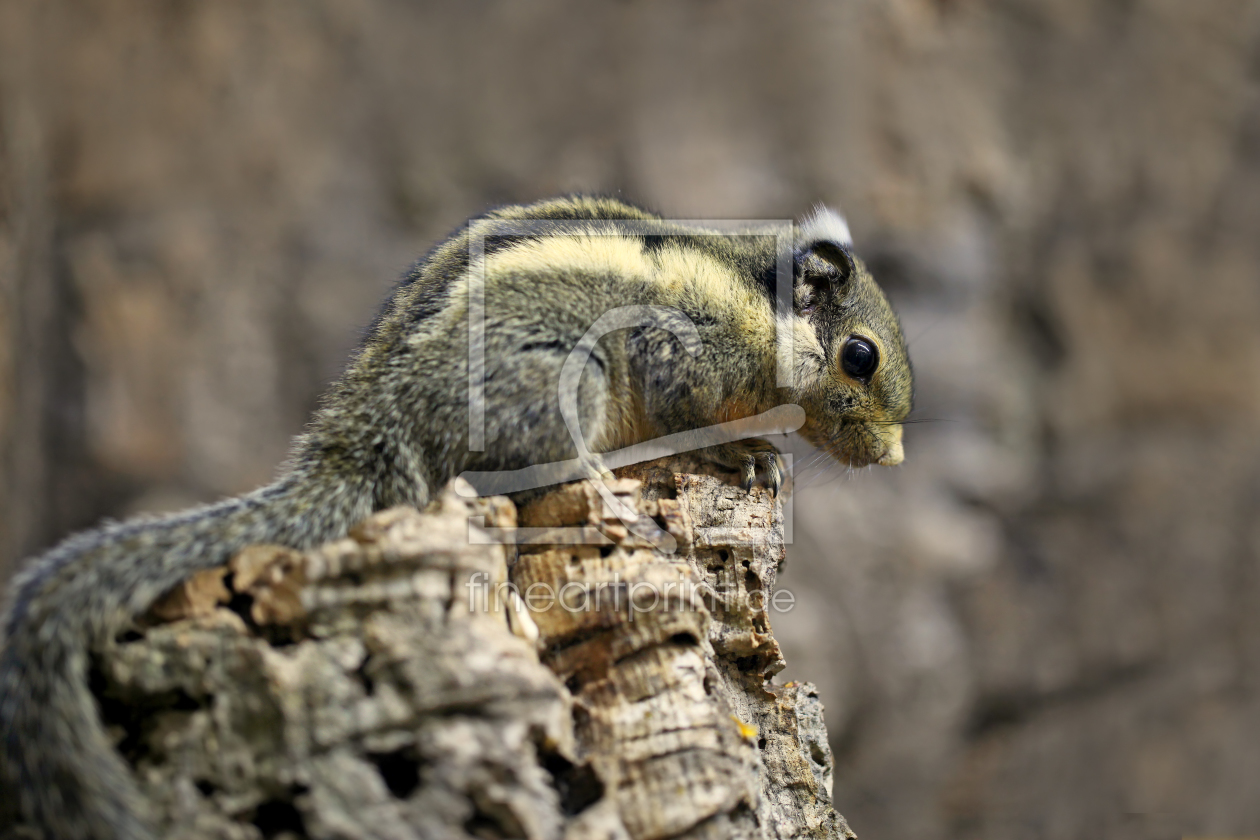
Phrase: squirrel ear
[839,258]
[823,262]
[819,274]
[822,251]
[825,224]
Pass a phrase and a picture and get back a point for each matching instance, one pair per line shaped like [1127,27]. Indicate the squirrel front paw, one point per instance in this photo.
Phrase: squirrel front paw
[748,457]
[597,470]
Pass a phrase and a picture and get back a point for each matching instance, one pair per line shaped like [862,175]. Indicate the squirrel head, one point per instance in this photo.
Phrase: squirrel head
[853,373]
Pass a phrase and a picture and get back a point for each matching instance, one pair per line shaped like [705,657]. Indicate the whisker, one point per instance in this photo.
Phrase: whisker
[806,480]
[923,332]
[826,475]
[815,458]
[911,422]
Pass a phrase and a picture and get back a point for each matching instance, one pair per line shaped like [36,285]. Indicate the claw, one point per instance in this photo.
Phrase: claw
[750,473]
[774,475]
[745,457]
[596,470]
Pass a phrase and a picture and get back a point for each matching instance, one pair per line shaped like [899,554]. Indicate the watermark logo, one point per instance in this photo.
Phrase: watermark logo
[593,466]
[613,595]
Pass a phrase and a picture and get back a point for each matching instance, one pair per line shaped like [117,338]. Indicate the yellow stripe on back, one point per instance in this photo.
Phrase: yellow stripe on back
[686,278]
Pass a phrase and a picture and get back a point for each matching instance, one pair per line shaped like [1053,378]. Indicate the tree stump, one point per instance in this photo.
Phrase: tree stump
[420,678]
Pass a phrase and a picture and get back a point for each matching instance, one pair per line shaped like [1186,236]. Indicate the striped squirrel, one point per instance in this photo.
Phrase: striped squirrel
[395,428]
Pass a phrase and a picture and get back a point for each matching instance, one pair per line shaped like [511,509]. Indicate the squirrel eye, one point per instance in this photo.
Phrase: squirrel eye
[859,358]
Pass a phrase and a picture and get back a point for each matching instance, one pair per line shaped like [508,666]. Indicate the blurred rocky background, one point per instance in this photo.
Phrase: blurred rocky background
[1046,624]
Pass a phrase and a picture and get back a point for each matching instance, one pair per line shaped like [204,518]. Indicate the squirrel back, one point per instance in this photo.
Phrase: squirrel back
[396,427]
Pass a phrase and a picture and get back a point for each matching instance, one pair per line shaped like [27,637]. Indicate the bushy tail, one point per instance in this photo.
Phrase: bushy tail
[55,759]
[63,774]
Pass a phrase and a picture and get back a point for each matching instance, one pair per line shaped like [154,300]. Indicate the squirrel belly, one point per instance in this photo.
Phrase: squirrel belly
[529,281]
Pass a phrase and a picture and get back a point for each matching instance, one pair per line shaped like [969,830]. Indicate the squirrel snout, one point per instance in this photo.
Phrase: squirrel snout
[894,453]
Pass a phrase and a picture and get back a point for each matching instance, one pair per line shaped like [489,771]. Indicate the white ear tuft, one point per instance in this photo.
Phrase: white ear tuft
[825,224]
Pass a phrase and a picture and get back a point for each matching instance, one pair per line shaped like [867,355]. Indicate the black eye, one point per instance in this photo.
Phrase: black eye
[859,358]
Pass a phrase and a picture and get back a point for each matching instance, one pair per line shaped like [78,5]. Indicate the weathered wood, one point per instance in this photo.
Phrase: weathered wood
[410,681]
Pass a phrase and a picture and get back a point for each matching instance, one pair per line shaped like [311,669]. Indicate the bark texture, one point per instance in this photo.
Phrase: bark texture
[420,679]
[1046,625]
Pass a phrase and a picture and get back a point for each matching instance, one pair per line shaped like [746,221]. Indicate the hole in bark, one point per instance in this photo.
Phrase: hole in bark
[207,788]
[724,555]
[573,684]
[276,635]
[241,603]
[817,754]
[761,743]
[183,702]
[484,826]
[748,664]
[607,550]
[751,583]
[137,715]
[684,639]
[276,816]
[369,684]
[130,635]
[578,785]
[400,770]
[280,635]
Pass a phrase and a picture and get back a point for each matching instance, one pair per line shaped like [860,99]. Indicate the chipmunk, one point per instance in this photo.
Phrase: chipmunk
[395,428]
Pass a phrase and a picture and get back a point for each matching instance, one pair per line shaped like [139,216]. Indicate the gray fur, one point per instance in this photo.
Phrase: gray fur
[395,427]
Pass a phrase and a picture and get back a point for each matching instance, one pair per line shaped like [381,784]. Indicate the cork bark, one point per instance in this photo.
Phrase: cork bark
[428,676]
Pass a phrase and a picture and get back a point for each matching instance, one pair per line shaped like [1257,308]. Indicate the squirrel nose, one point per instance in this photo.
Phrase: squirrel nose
[894,453]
